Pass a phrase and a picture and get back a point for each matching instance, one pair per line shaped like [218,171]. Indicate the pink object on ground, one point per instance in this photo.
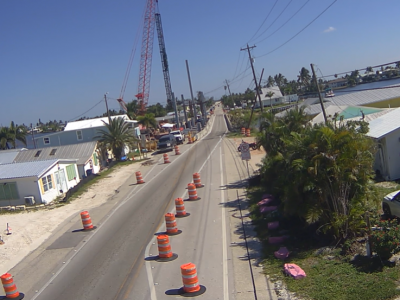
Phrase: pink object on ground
[282,253]
[273,225]
[266,201]
[294,270]
[276,239]
[264,209]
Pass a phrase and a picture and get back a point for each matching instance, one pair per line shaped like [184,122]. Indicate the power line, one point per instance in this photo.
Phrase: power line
[285,22]
[273,22]
[263,22]
[300,30]
[86,111]
[334,75]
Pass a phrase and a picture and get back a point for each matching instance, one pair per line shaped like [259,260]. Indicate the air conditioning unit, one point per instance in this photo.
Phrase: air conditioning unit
[29,200]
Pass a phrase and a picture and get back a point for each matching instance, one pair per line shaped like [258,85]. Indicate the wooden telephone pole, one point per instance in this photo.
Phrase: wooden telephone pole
[254,74]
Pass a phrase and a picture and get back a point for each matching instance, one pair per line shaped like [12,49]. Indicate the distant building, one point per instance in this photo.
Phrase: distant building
[340,82]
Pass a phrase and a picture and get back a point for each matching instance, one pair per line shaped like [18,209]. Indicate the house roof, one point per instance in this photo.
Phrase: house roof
[26,169]
[76,125]
[82,152]
[8,156]
[273,89]
[385,124]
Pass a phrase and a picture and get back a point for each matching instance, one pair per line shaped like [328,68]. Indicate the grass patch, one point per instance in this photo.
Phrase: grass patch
[330,274]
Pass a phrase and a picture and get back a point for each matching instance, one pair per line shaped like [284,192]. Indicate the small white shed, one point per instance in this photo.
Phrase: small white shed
[36,182]
[386,131]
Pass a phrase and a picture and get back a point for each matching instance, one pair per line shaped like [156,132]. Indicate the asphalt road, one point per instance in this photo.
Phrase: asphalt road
[110,262]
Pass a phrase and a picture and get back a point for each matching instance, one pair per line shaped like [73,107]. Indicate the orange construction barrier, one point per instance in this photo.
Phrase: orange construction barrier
[243,131]
[139,177]
[164,248]
[248,132]
[170,224]
[197,181]
[177,150]
[192,192]
[190,281]
[180,208]
[166,158]
[9,287]
[86,221]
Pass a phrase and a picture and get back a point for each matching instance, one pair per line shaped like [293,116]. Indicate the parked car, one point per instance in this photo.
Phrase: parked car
[166,143]
[391,204]
[179,136]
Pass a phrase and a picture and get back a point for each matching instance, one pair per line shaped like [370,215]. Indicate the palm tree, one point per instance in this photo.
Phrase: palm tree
[116,137]
[279,80]
[4,137]
[17,132]
[269,95]
[368,69]
[304,77]
[148,120]
[270,81]
[132,109]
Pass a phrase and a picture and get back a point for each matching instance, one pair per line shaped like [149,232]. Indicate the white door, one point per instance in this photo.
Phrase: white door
[61,182]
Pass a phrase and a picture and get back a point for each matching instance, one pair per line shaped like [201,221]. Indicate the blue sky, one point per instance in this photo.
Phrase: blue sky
[59,58]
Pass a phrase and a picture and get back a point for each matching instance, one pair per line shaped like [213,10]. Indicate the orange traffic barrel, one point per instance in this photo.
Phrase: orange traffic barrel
[192,192]
[10,288]
[177,152]
[170,224]
[166,158]
[191,286]
[180,208]
[164,249]
[248,132]
[190,139]
[243,131]
[87,221]
[197,180]
[139,177]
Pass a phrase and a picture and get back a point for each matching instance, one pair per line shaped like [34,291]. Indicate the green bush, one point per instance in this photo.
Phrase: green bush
[385,239]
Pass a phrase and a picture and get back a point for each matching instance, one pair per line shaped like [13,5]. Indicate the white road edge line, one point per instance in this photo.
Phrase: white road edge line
[224,234]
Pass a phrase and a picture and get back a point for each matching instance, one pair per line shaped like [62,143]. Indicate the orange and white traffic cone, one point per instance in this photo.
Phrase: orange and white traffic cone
[170,224]
[87,221]
[10,288]
[180,208]
[192,192]
[177,152]
[164,249]
[166,158]
[139,177]
[197,180]
[191,286]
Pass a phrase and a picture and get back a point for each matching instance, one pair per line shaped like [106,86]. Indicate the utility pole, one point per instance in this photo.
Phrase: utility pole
[252,107]
[319,93]
[229,90]
[254,74]
[108,112]
[184,108]
[191,93]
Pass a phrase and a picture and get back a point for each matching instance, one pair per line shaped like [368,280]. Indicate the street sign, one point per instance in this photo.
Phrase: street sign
[245,151]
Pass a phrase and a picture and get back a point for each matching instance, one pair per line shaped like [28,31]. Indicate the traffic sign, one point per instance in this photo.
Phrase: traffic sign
[245,151]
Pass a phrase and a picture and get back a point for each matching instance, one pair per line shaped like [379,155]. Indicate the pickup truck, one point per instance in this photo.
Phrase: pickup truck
[166,143]
[179,136]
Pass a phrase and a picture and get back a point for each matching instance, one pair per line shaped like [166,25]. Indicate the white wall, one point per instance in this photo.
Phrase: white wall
[393,154]
[27,186]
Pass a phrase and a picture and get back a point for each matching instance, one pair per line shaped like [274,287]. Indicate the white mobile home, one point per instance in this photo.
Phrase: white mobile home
[36,182]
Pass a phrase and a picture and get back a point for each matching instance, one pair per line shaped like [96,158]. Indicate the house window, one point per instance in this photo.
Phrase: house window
[47,183]
[8,191]
[95,159]
[46,141]
[38,153]
[53,151]
[71,172]
[79,135]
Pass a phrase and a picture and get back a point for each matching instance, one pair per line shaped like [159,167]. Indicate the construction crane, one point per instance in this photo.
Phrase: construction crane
[152,17]
[146,55]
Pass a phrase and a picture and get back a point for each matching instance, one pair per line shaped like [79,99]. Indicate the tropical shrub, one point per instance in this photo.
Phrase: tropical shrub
[385,239]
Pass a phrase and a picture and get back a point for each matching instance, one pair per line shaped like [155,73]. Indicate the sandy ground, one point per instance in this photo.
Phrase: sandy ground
[31,229]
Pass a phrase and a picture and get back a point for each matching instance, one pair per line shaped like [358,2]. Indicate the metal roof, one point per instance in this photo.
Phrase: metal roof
[98,122]
[82,152]
[8,156]
[384,124]
[26,169]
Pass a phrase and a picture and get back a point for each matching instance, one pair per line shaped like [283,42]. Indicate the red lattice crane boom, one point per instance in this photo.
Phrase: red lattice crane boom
[146,55]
